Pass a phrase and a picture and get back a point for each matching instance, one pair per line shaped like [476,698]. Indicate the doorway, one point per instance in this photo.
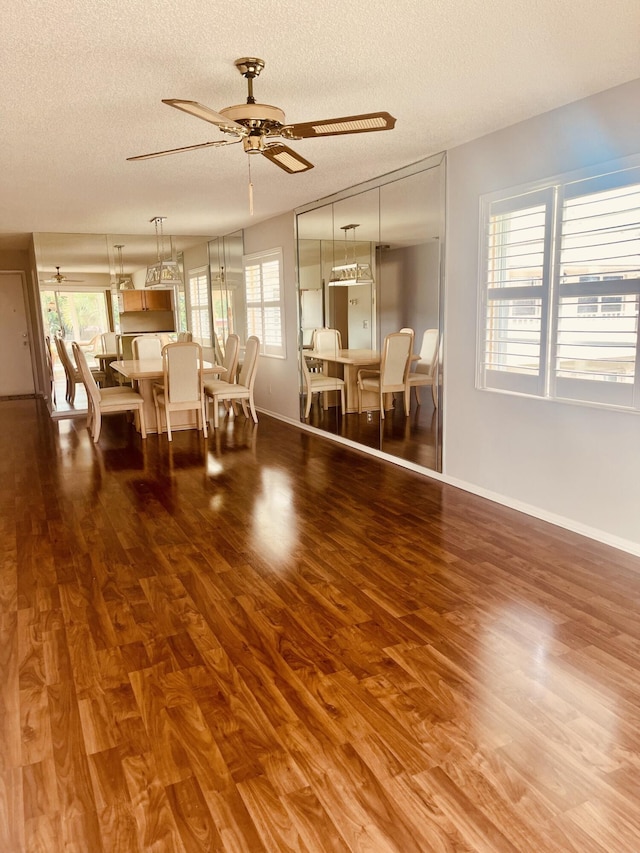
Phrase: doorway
[16,365]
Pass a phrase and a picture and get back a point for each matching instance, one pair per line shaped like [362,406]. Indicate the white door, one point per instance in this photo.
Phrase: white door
[16,374]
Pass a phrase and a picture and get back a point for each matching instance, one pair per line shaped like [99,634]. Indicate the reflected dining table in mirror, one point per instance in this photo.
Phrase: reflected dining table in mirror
[145,373]
[105,360]
[351,360]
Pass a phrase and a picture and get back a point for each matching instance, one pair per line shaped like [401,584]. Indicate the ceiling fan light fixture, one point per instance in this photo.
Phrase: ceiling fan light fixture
[165,272]
[122,281]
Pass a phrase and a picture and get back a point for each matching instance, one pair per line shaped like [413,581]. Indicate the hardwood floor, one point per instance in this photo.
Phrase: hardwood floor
[268,642]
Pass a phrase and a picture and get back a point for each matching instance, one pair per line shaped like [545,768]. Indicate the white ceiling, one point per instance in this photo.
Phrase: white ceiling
[82,84]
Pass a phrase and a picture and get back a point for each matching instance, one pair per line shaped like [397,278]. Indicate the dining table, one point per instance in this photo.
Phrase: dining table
[352,360]
[145,373]
[105,359]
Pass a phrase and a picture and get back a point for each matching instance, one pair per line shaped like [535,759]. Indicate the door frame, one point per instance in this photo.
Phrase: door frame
[35,351]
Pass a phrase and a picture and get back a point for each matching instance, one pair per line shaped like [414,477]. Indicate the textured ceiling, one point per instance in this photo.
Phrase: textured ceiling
[83,81]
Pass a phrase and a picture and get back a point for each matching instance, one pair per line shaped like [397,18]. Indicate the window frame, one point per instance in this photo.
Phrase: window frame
[263,305]
[202,308]
[551,383]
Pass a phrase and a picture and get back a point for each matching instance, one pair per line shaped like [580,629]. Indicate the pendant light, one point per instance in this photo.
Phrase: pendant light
[123,282]
[350,273]
[166,272]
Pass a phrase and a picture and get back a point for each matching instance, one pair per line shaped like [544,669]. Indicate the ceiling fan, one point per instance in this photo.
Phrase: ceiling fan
[258,125]
[58,278]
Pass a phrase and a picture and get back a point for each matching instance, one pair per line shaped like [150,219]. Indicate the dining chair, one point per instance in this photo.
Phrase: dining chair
[182,385]
[425,372]
[220,391]
[146,346]
[323,340]
[320,383]
[231,356]
[185,337]
[72,371]
[109,342]
[392,375]
[326,339]
[106,401]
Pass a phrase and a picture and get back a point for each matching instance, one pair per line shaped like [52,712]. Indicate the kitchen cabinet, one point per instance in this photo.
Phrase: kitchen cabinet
[145,300]
[146,311]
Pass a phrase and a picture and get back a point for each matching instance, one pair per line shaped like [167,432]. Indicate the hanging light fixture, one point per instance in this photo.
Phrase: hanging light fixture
[350,272]
[165,272]
[123,282]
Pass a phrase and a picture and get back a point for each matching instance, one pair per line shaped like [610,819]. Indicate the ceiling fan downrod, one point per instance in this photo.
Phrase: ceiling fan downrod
[250,67]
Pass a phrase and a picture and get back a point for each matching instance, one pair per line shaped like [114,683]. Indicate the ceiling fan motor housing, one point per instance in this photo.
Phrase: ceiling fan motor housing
[256,116]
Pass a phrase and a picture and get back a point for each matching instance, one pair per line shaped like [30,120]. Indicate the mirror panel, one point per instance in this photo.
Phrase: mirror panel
[84,303]
[399,237]
[227,292]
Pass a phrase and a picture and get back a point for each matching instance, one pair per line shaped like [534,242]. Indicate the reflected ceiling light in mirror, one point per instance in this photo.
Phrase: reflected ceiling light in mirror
[123,282]
[350,273]
[165,272]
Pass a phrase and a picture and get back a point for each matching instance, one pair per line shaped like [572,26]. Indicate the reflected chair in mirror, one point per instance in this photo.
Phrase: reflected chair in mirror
[106,401]
[425,371]
[146,346]
[185,337]
[392,375]
[231,356]
[182,385]
[242,391]
[319,383]
[72,371]
[230,364]
[324,340]
[109,342]
[49,358]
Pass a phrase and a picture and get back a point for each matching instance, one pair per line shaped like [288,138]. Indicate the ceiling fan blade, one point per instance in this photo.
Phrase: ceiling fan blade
[287,158]
[217,144]
[335,126]
[200,111]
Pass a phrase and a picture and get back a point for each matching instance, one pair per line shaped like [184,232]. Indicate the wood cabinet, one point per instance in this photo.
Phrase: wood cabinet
[145,300]
[146,311]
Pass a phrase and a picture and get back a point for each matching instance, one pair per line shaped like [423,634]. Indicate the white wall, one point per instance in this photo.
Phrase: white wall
[571,463]
[277,380]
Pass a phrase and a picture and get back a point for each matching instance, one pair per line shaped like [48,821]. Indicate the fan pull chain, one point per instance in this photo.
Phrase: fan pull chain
[250,189]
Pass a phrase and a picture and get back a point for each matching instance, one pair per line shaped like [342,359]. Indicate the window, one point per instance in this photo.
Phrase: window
[560,288]
[75,315]
[263,290]
[199,306]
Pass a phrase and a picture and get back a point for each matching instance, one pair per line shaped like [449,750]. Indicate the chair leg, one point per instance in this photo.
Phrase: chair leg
[97,423]
[407,400]
[307,408]
[216,413]
[417,390]
[203,418]
[381,406]
[434,394]
[158,420]
[253,410]
[168,419]
[342,400]
[143,425]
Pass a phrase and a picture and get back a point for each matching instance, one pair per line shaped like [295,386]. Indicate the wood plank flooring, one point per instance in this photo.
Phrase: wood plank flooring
[268,642]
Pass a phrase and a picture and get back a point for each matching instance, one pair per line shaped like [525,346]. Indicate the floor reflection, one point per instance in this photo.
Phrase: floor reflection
[413,438]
